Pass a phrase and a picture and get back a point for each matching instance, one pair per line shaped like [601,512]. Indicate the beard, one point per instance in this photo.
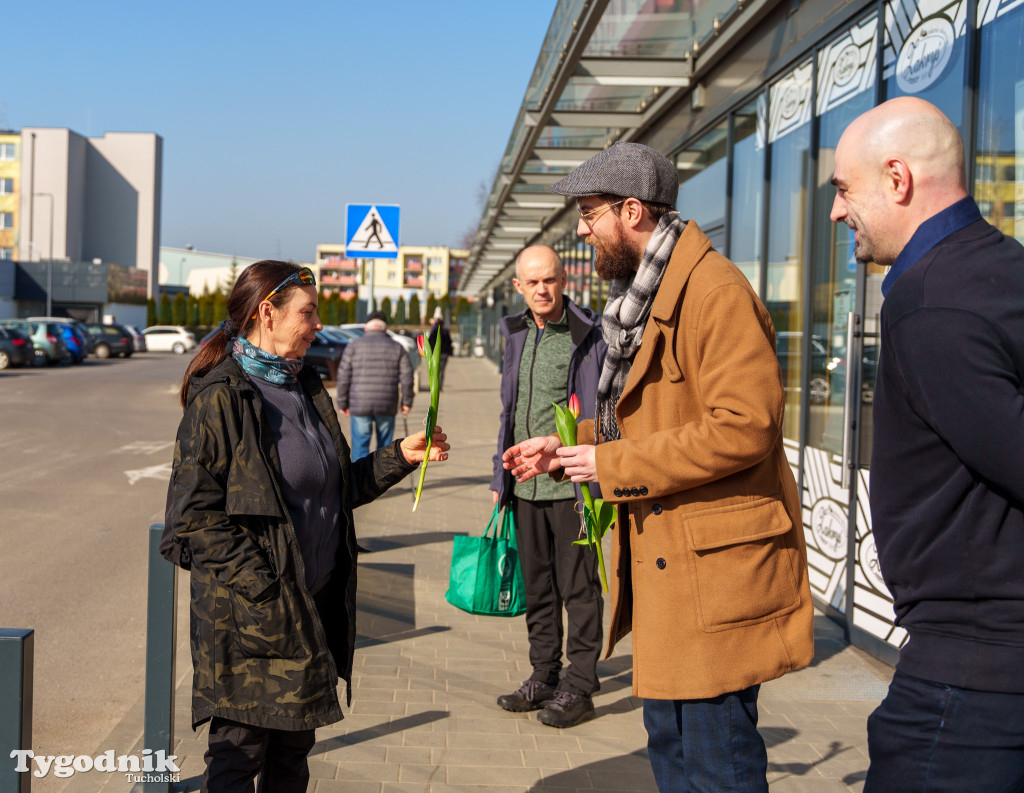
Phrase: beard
[615,259]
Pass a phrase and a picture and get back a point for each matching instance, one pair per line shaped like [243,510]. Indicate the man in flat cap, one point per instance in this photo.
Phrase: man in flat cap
[710,566]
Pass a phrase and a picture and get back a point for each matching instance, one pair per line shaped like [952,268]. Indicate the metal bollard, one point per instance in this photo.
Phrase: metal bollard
[160,649]
[15,705]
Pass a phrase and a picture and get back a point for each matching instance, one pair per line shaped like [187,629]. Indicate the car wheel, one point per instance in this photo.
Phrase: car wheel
[178,348]
[820,390]
[5,360]
[102,351]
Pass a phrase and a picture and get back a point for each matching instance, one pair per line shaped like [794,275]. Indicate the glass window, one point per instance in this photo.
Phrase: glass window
[924,45]
[746,219]
[6,253]
[6,220]
[846,75]
[789,107]
[6,186]
[1000,148]
[6,151]
[702,176]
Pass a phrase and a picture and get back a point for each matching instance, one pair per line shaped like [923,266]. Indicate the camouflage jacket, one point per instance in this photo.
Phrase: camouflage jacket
[262,653]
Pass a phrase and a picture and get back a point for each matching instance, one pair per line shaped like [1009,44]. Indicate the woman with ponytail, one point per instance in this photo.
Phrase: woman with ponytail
[259,508]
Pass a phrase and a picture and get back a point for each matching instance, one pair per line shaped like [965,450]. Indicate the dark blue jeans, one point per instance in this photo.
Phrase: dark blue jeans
[362,429]
[707,745]
[928,737]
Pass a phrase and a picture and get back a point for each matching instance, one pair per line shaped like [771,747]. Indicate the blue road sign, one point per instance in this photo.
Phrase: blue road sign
[371,231]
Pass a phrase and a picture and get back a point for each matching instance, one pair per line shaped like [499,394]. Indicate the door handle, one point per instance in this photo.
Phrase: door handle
[851,321]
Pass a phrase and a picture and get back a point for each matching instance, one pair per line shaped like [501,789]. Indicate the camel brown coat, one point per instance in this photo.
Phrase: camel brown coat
[709,561]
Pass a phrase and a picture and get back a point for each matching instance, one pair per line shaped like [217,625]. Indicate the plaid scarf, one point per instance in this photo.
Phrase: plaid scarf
[625,317]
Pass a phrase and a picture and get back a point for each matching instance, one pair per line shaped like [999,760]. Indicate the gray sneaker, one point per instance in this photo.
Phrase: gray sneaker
[531,695]
[567,710]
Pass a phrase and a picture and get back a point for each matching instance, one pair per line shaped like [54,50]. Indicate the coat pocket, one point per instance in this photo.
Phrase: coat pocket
[265,629]
[742,564]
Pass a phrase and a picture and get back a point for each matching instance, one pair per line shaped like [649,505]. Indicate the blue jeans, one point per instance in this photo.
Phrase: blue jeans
[928,737]
[362,426]
[707,745]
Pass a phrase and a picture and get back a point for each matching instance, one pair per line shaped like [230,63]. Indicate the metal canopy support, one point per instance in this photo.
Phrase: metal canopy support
[638,72]
[16,663]
[160,649]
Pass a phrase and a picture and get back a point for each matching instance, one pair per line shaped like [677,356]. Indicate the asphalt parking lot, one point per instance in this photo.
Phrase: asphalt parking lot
[85,453]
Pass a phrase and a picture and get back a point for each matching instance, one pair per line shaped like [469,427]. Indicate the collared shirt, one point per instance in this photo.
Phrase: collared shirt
[929,234]
[543,380]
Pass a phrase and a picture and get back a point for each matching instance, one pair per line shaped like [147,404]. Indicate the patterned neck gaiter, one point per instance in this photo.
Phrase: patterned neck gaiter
[257,362]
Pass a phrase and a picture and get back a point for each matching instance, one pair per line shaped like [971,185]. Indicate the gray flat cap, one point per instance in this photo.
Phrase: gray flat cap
[630,170]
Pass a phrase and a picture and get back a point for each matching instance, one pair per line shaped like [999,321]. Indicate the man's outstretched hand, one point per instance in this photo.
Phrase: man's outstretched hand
[532,457]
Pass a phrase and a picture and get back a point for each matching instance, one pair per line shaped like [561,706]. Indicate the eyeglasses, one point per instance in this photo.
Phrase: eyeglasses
[590,215]
[304,277]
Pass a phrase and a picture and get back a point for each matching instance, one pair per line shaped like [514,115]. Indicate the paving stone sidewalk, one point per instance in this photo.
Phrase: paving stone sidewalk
[424,718]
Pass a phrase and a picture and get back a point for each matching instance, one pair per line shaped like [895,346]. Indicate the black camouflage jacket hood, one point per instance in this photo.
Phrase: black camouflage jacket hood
[262,653]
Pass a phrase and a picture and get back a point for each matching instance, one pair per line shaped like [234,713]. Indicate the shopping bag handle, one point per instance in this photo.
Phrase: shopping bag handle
[494,520]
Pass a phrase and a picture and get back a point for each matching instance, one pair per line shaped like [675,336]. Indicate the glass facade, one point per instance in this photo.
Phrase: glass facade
[755,175]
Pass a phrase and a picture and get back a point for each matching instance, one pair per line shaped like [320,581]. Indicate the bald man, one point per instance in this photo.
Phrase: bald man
[553,349]
[947,468]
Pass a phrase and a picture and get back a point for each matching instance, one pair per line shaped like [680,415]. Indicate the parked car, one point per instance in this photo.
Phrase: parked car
[138,340]
[325,355]
[211,334]
[15,349]
[80,345]
[789,346]
[47,340]
[76,341]
[110,340]
[169,338]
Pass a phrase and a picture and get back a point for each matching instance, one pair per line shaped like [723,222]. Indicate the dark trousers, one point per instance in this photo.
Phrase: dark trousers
[928,737]
[557,573]
[707,745]
[238,752]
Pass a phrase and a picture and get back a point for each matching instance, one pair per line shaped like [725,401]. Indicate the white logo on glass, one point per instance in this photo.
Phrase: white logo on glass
[924,55]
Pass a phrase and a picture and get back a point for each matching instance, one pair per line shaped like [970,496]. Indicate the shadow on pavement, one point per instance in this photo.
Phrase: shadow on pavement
[409,540]
[630,772]
[386,728]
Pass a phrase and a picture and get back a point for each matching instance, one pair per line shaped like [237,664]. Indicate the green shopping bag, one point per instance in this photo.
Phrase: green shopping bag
[485,576]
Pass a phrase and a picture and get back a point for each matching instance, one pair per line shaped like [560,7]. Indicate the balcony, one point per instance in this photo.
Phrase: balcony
[414,281]
[338,279]
[414,266]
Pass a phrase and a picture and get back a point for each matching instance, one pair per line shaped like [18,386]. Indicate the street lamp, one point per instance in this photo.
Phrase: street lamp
[49,264]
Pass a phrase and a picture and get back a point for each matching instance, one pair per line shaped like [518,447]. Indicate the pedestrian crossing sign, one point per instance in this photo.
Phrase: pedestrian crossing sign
[371,231]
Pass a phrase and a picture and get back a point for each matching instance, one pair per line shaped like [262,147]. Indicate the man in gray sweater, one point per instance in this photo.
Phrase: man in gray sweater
[371,369]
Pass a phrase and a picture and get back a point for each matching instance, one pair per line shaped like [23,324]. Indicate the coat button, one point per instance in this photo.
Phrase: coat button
[635,491]
[643,491]
[661,564]
[656,509]
[618,493]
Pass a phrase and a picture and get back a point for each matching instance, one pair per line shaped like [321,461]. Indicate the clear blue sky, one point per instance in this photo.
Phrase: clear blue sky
[274,116]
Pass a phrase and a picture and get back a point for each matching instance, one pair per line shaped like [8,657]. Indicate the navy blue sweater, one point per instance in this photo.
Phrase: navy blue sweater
[947,469]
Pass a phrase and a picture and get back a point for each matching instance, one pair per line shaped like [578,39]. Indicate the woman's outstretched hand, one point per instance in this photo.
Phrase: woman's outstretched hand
[413,446]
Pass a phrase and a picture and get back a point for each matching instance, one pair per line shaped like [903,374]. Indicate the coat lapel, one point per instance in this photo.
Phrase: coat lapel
[690,249]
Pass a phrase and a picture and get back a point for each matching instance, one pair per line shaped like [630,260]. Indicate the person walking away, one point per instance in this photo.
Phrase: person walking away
[372,369]
[259,508]
[947,492]
[553,349]
[709,561]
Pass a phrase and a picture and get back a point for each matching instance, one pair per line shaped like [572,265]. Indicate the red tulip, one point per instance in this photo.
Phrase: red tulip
[574,406]
[419,345]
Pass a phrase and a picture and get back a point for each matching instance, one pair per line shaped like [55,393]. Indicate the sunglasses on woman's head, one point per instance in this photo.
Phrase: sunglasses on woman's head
[304,277]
